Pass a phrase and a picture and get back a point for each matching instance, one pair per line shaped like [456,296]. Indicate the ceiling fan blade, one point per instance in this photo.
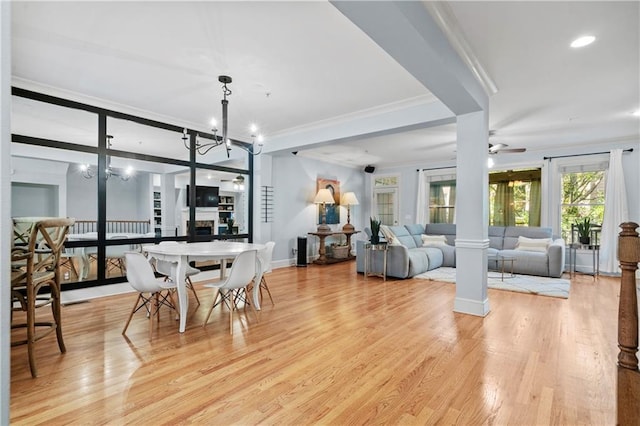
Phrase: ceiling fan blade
[493,148]
[512,150]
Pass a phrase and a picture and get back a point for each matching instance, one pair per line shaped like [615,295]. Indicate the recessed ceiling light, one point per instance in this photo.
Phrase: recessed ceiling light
[583,41]
[637,113]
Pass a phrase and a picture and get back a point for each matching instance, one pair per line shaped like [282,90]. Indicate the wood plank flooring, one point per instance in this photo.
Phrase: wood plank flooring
[335,349]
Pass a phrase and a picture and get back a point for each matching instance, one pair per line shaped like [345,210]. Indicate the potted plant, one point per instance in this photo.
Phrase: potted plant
[375,230]
[584,230]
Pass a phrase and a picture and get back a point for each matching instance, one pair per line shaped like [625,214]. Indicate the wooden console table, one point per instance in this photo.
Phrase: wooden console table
[323,259]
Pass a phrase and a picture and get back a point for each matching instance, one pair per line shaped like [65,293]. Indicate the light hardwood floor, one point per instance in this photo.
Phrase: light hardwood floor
[335,349]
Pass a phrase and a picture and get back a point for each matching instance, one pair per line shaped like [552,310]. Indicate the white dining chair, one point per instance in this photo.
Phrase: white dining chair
[231,291]
[114,256]
[67,256]
[265,255]
[141,277]
[167,268]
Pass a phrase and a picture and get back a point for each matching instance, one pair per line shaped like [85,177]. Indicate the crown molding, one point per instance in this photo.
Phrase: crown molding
[446,20]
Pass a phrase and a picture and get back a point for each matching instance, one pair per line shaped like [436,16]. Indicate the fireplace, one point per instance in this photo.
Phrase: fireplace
[204,227]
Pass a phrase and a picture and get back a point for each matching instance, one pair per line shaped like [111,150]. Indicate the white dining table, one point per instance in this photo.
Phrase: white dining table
[82,253]
[182,254]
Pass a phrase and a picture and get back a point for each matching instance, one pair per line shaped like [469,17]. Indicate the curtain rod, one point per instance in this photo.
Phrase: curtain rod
[437,168]
[580,155]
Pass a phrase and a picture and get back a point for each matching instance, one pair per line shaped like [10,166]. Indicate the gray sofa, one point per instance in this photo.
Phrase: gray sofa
[410,257]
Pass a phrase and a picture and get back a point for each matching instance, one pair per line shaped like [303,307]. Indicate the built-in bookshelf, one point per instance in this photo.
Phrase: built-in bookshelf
[157,212]
[226,208]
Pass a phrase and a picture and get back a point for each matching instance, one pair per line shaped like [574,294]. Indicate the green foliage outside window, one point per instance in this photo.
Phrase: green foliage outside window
[582,197]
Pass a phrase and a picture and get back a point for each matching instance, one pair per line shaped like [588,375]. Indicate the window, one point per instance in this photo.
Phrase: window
[385,199]
[582,196]
[514,198]
[442,200]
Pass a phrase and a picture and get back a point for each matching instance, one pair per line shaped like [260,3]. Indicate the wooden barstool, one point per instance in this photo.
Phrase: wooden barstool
[34,266]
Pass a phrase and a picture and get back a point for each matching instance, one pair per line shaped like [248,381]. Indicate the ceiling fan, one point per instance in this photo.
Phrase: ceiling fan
[496,148]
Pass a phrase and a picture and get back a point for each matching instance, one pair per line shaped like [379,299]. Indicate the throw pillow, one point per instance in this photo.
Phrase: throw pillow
[434,240]
[389,236]
[533,244]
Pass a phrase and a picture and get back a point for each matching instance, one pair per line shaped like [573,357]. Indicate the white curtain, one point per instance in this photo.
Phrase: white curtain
[422,202]
[615,213]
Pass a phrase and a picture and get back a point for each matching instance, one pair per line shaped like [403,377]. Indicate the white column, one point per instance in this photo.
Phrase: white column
[262,172]
[6,230]
[472,214]
[168,190]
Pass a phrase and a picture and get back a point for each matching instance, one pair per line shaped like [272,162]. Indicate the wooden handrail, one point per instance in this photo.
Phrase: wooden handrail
[629,256]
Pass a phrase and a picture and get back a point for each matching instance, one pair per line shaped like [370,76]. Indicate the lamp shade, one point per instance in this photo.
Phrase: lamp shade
[349,199]
[324,197]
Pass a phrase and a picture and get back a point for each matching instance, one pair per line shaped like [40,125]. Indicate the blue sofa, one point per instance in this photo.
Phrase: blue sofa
[410,257]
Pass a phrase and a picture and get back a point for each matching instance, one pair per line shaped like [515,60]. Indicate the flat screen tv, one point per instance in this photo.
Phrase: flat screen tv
[206,196]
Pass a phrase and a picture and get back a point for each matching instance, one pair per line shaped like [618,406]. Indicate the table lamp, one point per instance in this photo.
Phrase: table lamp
[324,197]
[349,199]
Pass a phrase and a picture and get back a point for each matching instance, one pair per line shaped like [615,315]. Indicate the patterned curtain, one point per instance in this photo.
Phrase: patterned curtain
[503,214]
[535,200]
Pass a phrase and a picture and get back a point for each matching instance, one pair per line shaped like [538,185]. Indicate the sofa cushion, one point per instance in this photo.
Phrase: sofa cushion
[434,240]
[403,236]
[423,259]
[533,244]
[416,230]
[448,255]
[446,229]
[528,262]
[511,234]
[496,235]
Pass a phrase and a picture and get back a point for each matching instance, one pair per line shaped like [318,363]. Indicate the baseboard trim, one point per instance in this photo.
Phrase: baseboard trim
[471,307]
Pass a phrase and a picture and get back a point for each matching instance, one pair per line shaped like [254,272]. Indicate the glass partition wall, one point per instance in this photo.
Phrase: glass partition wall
[128,181]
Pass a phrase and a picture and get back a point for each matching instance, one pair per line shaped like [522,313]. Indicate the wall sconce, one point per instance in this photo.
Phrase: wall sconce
[349,199]
[324,197]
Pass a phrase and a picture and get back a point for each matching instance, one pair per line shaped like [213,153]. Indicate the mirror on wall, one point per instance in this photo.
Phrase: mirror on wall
[220,201]
[54,122]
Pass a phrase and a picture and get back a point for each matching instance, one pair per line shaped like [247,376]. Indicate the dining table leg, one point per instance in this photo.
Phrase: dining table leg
[181,287]
[256,284]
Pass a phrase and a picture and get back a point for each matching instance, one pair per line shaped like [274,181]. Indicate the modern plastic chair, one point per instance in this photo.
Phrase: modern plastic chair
[141,277]
[265,255]
[114,256]
[166,268]
[232,290]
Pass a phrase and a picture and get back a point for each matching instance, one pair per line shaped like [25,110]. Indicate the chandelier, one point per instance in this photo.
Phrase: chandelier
[89,172]
[204,147]
[238,183]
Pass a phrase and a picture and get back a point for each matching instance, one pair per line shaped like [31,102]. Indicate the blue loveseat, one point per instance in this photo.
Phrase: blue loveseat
[410,257]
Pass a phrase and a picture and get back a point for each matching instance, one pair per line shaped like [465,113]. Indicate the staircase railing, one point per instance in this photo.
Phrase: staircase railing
[629,256]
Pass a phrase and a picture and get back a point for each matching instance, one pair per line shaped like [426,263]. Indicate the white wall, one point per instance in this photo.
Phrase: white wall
[126,200]
[39,187]
[34,200]
[294,182]
[6,230]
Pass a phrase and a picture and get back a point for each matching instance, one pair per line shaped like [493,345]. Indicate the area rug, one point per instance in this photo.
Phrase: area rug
[543,286]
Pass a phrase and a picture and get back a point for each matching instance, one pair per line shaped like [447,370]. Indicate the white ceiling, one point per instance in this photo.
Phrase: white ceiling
[301,64]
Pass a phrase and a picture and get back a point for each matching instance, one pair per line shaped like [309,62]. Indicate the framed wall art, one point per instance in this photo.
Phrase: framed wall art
[333,210]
